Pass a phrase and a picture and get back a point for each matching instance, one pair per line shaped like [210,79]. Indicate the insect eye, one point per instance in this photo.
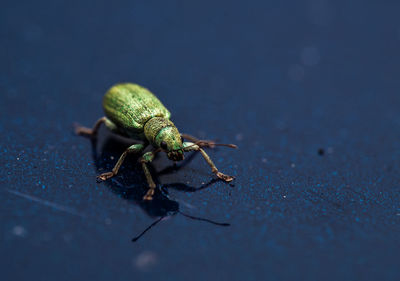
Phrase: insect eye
[164,145]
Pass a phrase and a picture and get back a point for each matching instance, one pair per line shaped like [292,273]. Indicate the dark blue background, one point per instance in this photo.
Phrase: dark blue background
[282,79]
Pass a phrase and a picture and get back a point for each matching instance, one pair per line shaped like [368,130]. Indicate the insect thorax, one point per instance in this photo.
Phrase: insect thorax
[153,127]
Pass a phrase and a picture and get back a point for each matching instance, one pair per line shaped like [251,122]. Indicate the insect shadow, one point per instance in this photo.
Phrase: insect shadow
[130,183]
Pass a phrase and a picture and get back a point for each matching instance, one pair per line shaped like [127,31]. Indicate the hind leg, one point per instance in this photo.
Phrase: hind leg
[84,131]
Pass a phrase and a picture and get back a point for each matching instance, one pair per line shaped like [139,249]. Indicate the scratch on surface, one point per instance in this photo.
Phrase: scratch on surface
[47,203]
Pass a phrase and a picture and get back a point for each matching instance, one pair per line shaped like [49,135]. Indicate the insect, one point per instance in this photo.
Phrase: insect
[133,111]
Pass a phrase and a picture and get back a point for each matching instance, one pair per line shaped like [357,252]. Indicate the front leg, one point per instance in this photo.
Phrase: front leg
[189,146]
[136,148]
[147,158]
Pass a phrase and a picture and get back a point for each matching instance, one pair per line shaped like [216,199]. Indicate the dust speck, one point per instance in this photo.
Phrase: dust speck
[19,231]
[145,260]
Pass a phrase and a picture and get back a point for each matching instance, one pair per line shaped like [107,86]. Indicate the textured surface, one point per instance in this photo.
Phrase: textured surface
[309,90]
[130,106]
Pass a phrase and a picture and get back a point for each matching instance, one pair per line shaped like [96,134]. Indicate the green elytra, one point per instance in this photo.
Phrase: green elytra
[133,111]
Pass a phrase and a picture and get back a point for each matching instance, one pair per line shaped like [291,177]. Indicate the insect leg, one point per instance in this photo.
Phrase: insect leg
[194,147]
[83,131]
[147,158]
[135,148]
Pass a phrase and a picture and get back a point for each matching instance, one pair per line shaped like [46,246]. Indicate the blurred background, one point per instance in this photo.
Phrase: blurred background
[308,90]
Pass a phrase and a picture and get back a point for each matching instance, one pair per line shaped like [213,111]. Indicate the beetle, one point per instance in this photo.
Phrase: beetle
[133,111]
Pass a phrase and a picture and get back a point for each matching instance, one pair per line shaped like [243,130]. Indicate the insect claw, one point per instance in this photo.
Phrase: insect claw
[105,176]
[149,194]
[225,177]
[147,197]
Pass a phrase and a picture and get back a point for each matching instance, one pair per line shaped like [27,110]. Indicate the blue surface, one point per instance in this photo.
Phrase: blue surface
[309,90]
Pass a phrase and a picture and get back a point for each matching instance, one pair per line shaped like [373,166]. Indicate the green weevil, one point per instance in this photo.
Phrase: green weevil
[133,111]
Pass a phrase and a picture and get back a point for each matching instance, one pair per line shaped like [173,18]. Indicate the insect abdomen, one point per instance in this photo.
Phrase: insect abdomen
[130,106]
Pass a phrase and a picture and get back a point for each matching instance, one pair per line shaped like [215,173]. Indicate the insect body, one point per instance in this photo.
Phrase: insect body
[133,111]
